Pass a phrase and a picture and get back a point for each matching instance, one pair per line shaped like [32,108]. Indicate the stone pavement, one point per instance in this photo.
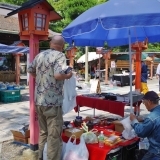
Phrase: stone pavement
[14,115]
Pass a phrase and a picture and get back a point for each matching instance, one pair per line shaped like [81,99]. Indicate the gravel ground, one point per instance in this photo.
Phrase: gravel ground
[12,151]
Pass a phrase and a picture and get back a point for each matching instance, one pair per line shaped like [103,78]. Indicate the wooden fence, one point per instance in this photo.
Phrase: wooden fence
[7,76]
[120,64]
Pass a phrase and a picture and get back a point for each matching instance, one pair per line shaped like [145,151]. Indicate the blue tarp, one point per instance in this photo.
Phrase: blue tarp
[13,49]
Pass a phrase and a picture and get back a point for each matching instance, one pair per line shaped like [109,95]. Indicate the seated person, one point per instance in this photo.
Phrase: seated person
[150,127]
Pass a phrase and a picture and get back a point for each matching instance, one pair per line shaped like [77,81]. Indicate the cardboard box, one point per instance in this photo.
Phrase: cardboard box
[118,126]
[73,131]
[19,137]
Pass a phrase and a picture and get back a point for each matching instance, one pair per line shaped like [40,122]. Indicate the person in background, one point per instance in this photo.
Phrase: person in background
[150,127]
[93,70]
[97,71]
[144,77]
[144,87]
[158,74]
[48,68]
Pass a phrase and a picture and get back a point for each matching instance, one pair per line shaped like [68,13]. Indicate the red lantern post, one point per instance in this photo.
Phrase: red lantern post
[139,47]
[106,56]
[17,57]
[34,17]
[71,52]
[99,51]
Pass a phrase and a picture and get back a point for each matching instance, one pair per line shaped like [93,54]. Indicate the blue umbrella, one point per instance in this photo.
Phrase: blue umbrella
[13,49]
[110,22]
[117,22]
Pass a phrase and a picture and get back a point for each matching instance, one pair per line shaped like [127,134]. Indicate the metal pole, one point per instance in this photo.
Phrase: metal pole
[86,64]
[130,68]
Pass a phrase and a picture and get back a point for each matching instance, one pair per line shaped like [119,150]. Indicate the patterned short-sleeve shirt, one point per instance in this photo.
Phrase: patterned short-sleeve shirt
[48,90]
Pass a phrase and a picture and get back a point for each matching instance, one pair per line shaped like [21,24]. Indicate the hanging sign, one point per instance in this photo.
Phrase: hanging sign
[113,64]
[95,86]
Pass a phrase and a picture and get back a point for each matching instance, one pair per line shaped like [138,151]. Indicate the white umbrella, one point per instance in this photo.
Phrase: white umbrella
[91,56]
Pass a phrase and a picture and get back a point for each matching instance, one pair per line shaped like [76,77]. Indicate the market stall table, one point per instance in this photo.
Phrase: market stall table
[101,104]
[122,79]
[97,153]
[114,107]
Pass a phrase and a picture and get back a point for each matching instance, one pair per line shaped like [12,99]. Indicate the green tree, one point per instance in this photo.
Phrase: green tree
[76,7]
[15,2]
[153,47]
[69,10]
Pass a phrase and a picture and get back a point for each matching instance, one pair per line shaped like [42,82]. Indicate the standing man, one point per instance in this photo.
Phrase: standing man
[158,74]
[48,69]
[150,127]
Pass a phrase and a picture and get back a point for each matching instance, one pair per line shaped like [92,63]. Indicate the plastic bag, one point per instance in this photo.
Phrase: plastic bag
[90,137]
[69,101]
[45,152]
[128,132]
[62,153]
[144,144]
[127,124]
[64,147]
[76,152]
[63,150]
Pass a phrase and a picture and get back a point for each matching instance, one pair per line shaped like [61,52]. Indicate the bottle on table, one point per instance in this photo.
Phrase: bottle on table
[101,139]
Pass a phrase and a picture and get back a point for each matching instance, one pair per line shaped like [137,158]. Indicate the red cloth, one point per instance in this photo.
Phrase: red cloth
[97,153]
[101,104]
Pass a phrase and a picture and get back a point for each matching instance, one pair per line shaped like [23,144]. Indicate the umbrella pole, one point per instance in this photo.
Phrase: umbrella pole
[130,73]
[86,64]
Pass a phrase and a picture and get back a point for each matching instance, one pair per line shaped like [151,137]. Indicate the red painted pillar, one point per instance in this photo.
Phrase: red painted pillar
[34,128]
[139,47]
[71,62]
[106,71]
[106,56]
[17,56]
[138,71]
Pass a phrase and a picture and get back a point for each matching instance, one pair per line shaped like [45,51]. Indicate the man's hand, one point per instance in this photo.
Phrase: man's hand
[133,82]
[132,117]
[63,76]
[33,75]
[69,75]
[140,119]
[157,76]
